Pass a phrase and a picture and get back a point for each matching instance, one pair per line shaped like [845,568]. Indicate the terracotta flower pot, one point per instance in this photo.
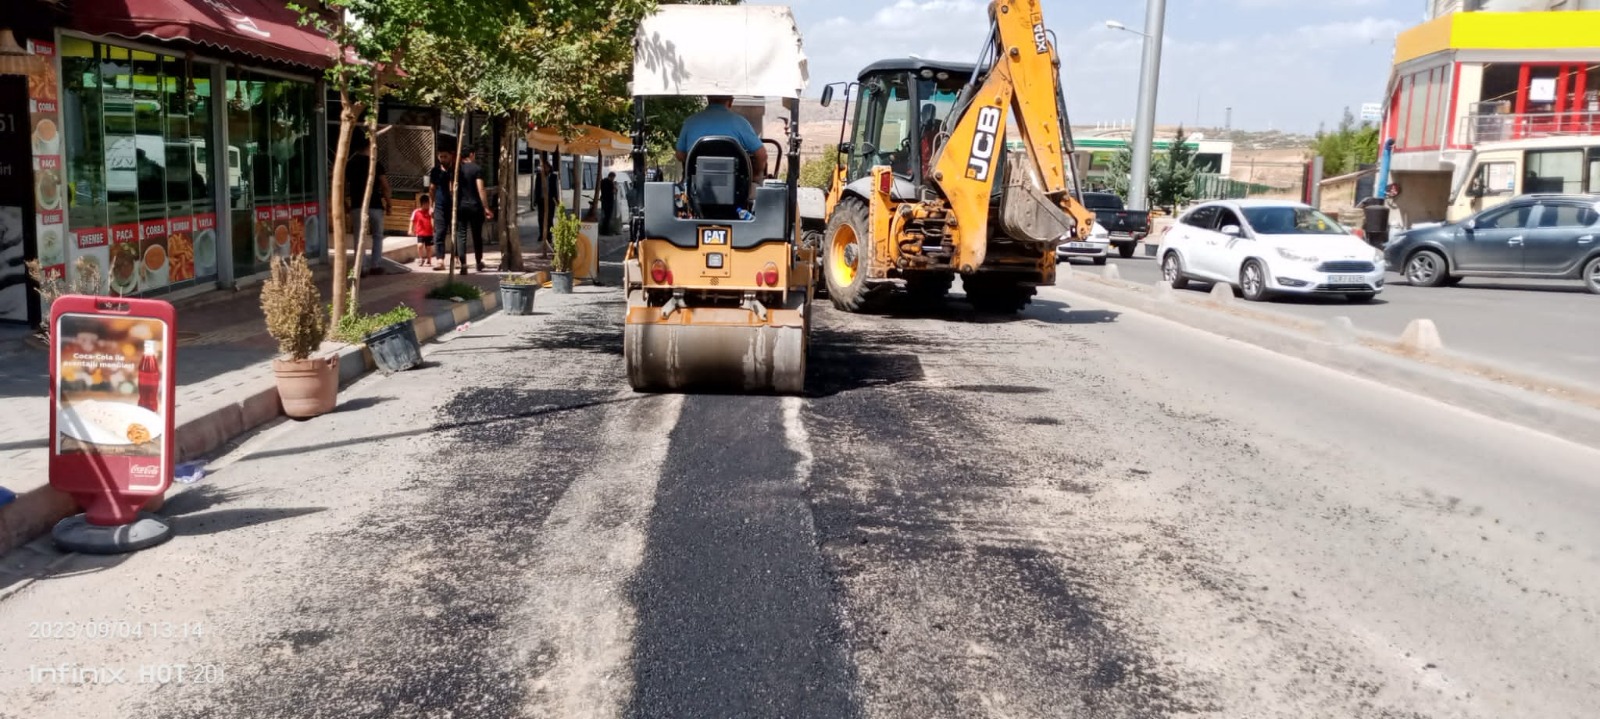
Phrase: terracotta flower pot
[307,387]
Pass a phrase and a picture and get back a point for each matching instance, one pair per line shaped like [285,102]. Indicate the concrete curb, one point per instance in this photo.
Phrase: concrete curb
[34,512]
[1561,409]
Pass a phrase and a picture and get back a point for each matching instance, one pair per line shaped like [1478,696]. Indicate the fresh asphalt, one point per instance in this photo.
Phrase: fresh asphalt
[1544,327]
[1071,513]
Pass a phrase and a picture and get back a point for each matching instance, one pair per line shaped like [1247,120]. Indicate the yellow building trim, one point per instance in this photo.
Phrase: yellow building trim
[1552,30]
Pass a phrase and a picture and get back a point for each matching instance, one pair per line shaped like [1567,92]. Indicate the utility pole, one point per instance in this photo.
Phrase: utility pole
[1144,129]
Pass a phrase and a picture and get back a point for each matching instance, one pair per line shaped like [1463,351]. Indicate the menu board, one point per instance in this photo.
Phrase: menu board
[92,247]
[311,231]
[280,231]
[262,235]
[44,118]
[153,265]
[205,245]
[125,259]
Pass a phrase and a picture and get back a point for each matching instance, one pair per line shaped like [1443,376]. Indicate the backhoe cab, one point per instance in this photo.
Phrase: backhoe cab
[925,188]
[719,289]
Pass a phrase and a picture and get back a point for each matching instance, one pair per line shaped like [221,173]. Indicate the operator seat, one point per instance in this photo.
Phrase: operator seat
[718,178]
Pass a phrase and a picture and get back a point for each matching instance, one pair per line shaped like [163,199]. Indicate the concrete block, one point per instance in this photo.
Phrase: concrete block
[424,328]
[1163,290]
[1111,272]
[461,312]
[1222,293]
[1340,330]
[1421,336]
[444,322]
[1150,250]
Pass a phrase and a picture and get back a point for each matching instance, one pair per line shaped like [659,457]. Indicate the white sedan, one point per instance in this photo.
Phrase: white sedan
[1097,246]
[1267,247]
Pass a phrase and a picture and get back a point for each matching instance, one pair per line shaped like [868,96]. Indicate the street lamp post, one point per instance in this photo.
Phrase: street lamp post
[1144,129]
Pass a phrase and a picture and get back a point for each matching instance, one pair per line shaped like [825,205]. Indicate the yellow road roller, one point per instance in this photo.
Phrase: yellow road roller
[719,285]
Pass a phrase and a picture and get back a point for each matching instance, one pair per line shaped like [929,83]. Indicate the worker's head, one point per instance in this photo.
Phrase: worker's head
[447,149]
[723,100]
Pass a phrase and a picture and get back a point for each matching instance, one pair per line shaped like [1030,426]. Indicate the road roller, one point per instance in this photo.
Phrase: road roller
[719,284]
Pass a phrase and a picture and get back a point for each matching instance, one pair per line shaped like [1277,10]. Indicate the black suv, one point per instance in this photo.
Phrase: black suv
[1552,237]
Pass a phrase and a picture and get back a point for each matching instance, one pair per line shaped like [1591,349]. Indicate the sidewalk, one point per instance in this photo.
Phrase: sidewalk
[223,368]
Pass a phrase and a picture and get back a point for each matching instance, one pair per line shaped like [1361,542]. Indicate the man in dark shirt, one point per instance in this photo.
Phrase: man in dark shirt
[355,188]
[439,185]
[608,201]
[472,208]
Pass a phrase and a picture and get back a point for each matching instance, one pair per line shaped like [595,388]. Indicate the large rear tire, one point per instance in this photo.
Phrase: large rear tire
[847,254]
[929,286]
[997,294]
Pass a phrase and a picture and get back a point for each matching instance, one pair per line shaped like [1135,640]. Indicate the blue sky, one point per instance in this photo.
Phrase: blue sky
[1283,64]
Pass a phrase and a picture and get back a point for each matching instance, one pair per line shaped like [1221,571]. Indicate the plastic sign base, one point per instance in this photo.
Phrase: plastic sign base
[76,534]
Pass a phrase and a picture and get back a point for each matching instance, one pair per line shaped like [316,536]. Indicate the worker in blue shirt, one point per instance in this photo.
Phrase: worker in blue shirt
[719,119]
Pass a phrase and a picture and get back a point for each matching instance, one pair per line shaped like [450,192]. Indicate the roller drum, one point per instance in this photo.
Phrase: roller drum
[676,357]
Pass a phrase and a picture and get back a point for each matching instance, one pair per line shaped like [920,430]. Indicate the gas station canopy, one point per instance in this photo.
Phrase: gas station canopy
[583,140]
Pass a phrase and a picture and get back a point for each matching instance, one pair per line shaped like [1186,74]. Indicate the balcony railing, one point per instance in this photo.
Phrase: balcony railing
[1493,128]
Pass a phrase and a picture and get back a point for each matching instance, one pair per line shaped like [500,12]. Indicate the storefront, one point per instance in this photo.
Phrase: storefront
[177,155]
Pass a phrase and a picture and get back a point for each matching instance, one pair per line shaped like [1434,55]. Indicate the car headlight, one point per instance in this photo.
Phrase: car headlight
[1293,256]
[1377,257]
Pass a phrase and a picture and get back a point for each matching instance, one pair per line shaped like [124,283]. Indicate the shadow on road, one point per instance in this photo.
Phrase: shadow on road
[955,308]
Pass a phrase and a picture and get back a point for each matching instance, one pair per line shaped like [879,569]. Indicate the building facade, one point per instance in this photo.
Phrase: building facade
[1484,72]
[174,145]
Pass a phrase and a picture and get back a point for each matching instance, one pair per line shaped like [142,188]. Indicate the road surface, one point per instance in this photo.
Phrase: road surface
[1546,327]
[967,518]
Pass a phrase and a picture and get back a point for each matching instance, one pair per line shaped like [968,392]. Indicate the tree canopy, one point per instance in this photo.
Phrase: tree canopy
[1345,149]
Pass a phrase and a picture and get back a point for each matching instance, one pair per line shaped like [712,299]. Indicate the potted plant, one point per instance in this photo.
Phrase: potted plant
[308,386]
[390,336]
[564,237]
[516,293]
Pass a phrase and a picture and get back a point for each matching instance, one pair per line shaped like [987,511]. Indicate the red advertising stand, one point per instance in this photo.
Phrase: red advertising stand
[111,419]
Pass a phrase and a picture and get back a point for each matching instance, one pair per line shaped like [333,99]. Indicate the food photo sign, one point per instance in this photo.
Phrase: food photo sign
[111,391]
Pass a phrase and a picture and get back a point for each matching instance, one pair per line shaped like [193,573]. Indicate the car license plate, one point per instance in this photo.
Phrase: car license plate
[1346,280]
[1080,246]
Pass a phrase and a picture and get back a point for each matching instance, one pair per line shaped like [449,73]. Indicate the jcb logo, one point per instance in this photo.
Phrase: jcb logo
[1041,41]
[983,144]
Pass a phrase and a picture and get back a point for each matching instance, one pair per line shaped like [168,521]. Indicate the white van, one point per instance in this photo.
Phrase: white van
[1499,171]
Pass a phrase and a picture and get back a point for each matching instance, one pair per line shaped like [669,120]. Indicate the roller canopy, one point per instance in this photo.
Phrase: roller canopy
[736,50]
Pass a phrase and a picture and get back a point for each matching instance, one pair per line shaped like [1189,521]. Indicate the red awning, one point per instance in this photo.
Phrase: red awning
[262,28]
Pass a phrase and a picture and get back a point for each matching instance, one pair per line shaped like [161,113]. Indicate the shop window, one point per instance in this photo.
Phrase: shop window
[1554,171]
[84,128]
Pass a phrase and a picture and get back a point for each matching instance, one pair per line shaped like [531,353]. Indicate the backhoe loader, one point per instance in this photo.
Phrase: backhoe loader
[926,190]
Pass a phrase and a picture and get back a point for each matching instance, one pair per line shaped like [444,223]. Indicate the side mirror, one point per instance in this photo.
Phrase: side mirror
[827,95]
[845,148]
[1233,230]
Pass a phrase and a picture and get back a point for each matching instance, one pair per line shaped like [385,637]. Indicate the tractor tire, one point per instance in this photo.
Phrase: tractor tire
[847,255]
[812,239]
[997,295]
[1126,249]
[929,287]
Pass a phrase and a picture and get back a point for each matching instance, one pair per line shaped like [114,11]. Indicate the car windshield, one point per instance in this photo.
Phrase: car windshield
[1291,221]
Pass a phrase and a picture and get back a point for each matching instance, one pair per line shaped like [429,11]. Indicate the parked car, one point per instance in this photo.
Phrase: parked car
[1096,247]
[1540,236]
[1125,227]
[1269,247]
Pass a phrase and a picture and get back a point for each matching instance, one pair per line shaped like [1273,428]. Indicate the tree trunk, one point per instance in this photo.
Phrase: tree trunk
[366,195]
[336,215]
[455,191]
[510,239]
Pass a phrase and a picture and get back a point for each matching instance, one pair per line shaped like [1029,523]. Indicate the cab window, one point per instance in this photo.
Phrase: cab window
[1497,178]
[1505,218]
[1566,215]
[1204,218]
[1559,171]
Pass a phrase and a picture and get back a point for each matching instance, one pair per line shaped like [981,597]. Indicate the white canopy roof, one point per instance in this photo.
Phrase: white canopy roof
[748,50]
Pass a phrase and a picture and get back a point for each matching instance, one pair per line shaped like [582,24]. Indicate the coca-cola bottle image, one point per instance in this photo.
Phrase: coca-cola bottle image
[150,378]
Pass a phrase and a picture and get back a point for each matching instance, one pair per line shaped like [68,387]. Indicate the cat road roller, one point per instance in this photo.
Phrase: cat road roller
[719,289]
[926,188]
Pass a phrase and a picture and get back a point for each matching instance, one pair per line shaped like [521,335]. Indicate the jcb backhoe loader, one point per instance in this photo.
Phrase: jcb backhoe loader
[925,188]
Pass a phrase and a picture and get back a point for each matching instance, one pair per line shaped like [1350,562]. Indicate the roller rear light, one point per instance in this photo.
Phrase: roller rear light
[659,273]
[885,182]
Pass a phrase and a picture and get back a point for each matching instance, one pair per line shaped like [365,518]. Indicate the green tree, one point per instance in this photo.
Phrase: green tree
[1119,172]
[1172,176]
[1344,150]
[818,172]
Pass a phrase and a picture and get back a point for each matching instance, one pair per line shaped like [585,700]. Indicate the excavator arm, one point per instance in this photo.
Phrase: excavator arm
[1018,73]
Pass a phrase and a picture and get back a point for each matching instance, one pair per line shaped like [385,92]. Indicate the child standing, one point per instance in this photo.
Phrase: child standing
[422,228]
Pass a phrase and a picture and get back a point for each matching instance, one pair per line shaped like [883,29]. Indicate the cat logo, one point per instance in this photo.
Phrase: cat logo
[715,235]
[1041,41]
[983,144]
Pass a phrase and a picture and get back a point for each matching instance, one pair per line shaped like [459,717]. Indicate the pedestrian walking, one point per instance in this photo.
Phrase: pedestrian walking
[422,228]
[474,208]
[608,201]
[439,188]
[355,190]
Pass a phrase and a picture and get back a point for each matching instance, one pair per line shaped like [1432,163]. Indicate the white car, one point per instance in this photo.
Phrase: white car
[1096,247]
[1268,247]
